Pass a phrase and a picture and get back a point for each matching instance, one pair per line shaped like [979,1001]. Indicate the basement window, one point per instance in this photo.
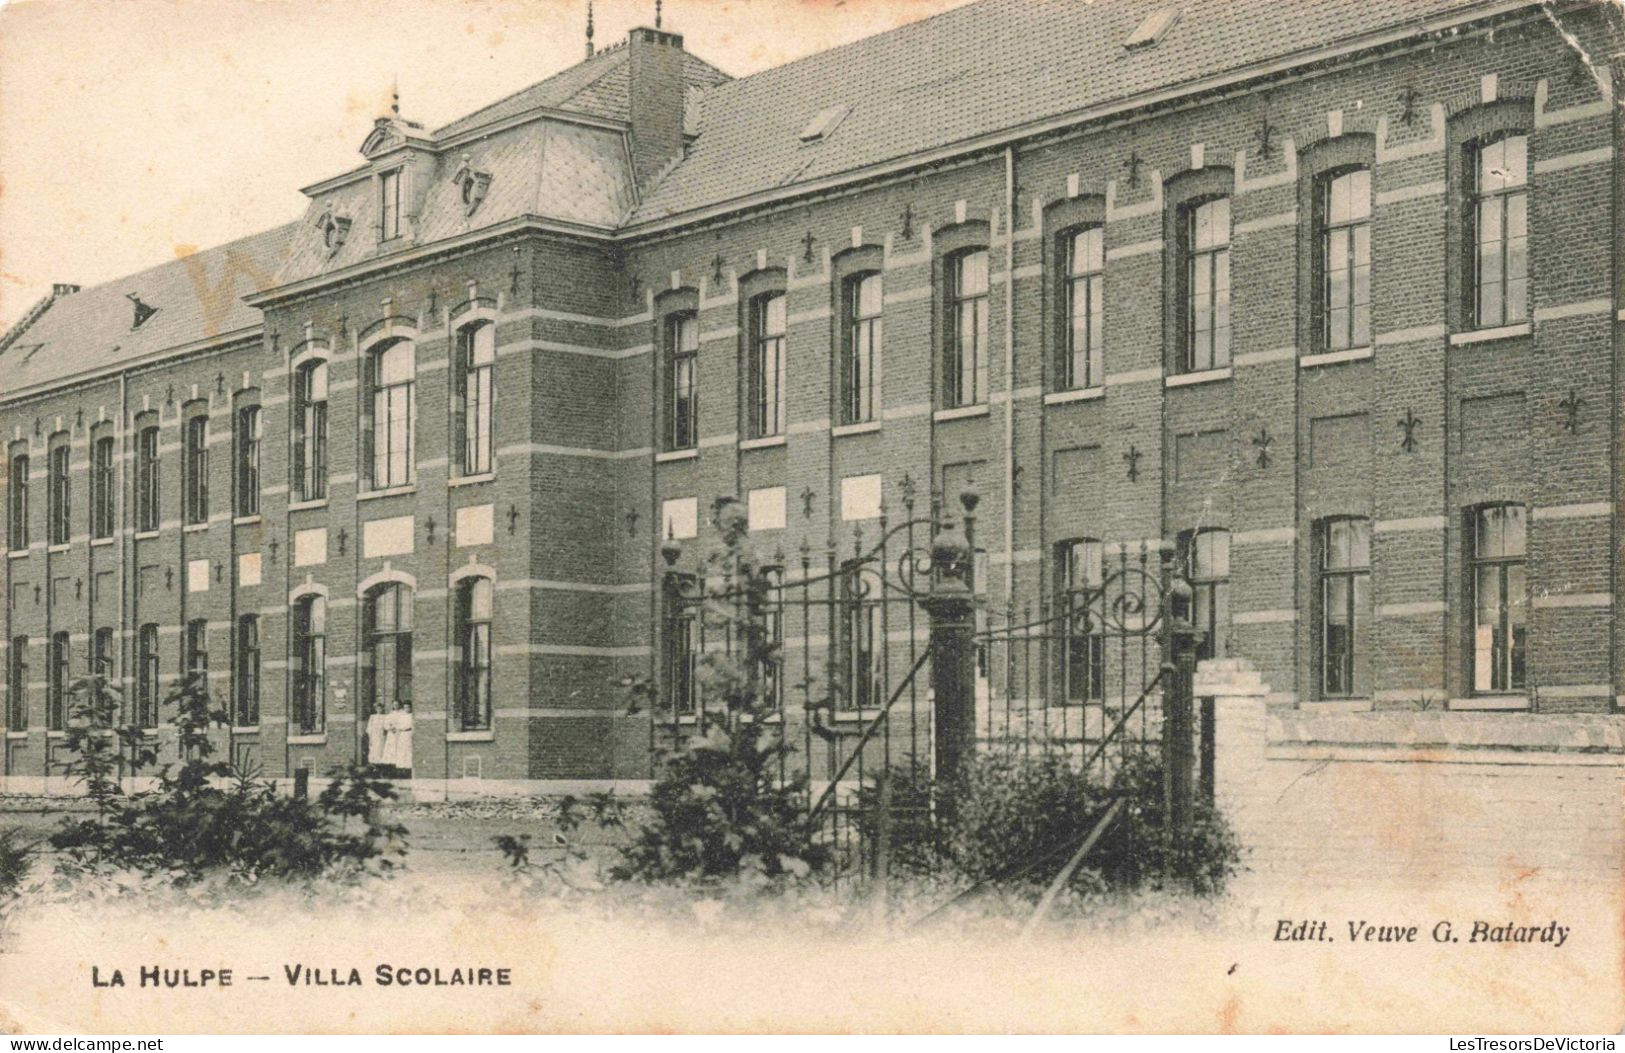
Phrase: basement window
[824,123]
[1152,30]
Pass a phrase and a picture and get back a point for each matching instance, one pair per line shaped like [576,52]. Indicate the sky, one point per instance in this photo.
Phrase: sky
[135,131]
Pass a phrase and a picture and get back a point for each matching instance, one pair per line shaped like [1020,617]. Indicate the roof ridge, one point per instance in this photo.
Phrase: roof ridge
[22,324]
[532,86]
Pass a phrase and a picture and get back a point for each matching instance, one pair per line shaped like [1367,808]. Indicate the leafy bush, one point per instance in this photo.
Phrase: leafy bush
[723,804]
[1017,815]
[16,857]
[207,817]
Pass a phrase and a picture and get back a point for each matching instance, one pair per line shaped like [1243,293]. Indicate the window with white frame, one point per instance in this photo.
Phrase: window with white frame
[476,360]
[392,373]
[1079,577]
[1345,605]
[1345,259]
[1498,252]
[103,487]
[766,368]
[682,352]
[862,301]
[474,653]
[1082,363]
[310,431]
[1207,285]
[17,504]
[195,469]
[389,205]
[965,372]
[1500,587]
[309,664]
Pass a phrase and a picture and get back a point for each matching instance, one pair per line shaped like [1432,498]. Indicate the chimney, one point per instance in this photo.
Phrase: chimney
[656,61]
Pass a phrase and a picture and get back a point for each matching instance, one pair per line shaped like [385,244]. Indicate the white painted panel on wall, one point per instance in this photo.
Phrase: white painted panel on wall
[474,525]
[387,537]
[310,547]
[197,575]
[680,518]
[767,508]
[860,497]
[248,568]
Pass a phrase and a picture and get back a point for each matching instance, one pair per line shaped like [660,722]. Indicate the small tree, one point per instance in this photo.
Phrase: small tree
[723,803]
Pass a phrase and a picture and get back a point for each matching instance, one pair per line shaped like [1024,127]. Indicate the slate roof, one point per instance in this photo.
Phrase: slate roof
[199,297]
[974,71]
[980,69]
[597,87]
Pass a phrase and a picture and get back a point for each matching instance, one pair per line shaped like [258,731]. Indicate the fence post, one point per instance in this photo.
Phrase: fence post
[951,607]
[1179,669]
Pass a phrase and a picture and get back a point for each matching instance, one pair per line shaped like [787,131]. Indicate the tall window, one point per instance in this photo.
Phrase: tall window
[101,651]
[102,487]
[862,302]
[473,634]
[248,461]
[60,495]
[1082,362]
[1498,257]
[59,677]
[1345,605]
[389,205]
[195,655]
[310,432]
[476,356]
[386,672]
[965,374]
[17,504]
[682,392]
[146,676]
[17,685]
[684,643]
[310,664]
[1207,285]
[1500,598]
[1079,576]
[861,640]
[390,437]
[1207,566]
[766,367]
[1345,259]
[146,479]
[248,671]
[195,467]
[767,622]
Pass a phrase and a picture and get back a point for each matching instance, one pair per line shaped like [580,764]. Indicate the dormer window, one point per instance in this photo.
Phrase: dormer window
[389,205]
[143,311]
[1152,29]
[824,123]
[472,185]
[334,230]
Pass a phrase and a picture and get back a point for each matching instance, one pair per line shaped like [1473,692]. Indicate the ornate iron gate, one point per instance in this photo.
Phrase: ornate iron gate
[888,670]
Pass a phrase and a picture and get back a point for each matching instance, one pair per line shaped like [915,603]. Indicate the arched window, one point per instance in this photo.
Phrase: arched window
[56,699]
[1205,244]
[17,685]
[146,676]
[476,357]
[195,467]
[1343,215]
[684,643]
[765,372]
[1345,606]
[965,373]
[60,495]
[17,504]
[309,672]
[102,487]
[1498,248]
[146,480]
[861,642]
[473,654]
[386,669]
[682,406]
[862,303]
[310,431]
[1500,543]
[392,370]
[1207,566]
[248,671]
[1082,364]
[248,461]
[1079,577]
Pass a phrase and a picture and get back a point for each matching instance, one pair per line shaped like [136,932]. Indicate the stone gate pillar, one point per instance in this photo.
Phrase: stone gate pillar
[1239,736]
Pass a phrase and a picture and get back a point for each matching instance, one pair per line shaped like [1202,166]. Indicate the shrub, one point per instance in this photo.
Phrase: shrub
[722,804]
[207,817]
[1016,816]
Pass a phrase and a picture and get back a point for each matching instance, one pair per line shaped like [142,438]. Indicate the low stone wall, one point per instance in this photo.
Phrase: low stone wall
[1415,798]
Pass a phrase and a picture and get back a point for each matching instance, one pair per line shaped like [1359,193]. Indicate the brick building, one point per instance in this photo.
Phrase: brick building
[1332,299]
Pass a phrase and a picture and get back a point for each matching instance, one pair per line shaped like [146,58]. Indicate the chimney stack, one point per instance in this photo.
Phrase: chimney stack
[657,102]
